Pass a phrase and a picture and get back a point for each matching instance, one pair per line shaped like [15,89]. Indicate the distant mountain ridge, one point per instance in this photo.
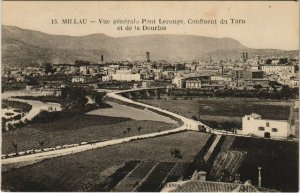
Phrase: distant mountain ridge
[22,47]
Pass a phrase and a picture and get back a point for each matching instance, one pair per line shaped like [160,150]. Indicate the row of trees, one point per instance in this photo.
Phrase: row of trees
[284,93]
[274,91]
[128,130]
[15,145]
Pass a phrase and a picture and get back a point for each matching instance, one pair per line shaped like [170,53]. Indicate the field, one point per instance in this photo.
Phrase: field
[76,129]
[119,110]
[220,110]
[24,107]
[278,160]
[150,176]
[48,98]
[79,172]
[226,161]
[242,155]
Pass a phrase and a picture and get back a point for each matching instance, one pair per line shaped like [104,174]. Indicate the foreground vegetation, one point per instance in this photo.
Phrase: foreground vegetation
[238,159]
[278,159]
[84,171]
[21,106]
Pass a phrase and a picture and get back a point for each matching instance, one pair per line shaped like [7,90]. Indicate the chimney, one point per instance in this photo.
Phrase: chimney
[202,176]
[199,176]
[259,177]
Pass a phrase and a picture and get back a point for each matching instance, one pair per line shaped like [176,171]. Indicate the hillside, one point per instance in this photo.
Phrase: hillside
[22,47]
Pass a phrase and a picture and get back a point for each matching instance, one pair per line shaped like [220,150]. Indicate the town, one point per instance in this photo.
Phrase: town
[246,74]
[219,123]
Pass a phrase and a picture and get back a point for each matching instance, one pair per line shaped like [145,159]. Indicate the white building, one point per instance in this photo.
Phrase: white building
[179,82]
[83,79]
[220,78]
[122,76]
[107,78]
[254,125]
[84,70]
[193,84]
[270,69]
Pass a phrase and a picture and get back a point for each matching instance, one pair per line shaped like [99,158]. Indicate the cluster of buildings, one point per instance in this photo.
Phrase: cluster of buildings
[244,74]
[208,73]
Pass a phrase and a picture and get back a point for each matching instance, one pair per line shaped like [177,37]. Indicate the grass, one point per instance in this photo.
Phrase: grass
[70,173]
[50,98]
[24,107]
[118,110]
[221,110]
[76,129]
[152,184]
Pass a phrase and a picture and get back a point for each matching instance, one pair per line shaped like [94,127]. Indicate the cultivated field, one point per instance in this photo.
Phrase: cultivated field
[222,110]
[79,128]
[84,171]
[150,176]
[278,160]
[226,161]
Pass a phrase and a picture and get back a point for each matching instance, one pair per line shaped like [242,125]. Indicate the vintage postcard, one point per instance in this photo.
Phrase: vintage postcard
[140,96]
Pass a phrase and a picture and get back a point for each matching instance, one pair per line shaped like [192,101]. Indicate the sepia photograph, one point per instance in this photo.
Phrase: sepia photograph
[141,96]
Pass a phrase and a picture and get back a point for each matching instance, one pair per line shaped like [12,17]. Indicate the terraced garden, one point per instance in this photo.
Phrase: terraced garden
[149,176]
[131,182]
[157,176]
[228,161]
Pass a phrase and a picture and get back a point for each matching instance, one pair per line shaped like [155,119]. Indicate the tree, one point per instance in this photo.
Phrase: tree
[48,68]
[257,87]
[128,129]
[15,145]
[194,117]
[41,144]
[176,153]
[99,98]
[73,98]
[3,124]
[10,126]
[31,81]
[285,92]
[139,129]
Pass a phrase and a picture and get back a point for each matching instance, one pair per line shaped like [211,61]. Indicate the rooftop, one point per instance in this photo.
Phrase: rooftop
[209,186]
[255,116]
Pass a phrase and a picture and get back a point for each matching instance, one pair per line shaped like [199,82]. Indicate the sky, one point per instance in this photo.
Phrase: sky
[272,24]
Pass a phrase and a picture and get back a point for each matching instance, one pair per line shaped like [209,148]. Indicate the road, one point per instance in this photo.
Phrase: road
[188,124]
